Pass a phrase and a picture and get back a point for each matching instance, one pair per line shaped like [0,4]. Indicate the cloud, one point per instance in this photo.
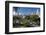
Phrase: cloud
[15,13]
[20,13]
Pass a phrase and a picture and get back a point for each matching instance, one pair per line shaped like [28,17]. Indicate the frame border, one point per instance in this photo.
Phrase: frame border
[7,17]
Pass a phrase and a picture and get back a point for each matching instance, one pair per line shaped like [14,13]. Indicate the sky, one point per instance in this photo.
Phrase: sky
[25,10]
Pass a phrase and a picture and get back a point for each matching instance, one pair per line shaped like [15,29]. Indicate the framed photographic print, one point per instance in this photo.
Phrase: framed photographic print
[24,17]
